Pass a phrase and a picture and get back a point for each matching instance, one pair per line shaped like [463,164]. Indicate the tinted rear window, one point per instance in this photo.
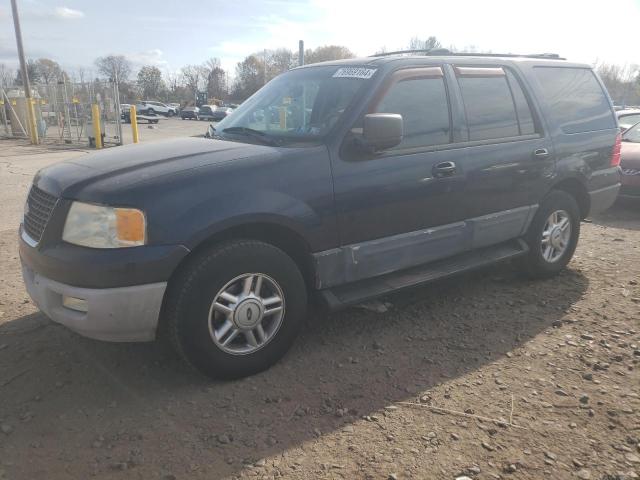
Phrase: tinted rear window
[489,106]
[575,99]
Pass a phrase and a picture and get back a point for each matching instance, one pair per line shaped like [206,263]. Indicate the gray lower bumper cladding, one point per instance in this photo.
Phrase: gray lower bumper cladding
[127,314]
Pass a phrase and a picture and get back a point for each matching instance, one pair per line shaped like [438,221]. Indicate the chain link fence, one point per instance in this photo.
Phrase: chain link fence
[63,113]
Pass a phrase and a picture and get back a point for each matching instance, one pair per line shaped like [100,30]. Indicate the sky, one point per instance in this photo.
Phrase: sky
[173,33]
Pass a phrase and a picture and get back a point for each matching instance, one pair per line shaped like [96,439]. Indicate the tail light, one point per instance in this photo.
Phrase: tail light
[615,155]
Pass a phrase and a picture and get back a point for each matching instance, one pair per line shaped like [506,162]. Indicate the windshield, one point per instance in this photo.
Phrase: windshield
[633,134]
[299,105]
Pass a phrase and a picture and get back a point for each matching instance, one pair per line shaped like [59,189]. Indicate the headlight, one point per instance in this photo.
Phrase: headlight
[98,226]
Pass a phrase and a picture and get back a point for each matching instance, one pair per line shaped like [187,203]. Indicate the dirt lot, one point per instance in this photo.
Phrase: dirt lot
[559,360]
[165,128]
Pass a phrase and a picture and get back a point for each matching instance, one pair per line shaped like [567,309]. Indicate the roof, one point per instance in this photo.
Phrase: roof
[487,59]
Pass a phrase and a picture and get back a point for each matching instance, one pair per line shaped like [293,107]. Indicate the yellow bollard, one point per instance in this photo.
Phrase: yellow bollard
[97,131]
[33,128]
[134,123]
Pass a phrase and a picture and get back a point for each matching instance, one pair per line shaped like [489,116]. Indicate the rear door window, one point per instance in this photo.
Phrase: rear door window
[421,99]
[488,102]
[575,99]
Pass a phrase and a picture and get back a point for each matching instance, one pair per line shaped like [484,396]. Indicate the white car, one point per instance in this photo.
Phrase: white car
[150,107]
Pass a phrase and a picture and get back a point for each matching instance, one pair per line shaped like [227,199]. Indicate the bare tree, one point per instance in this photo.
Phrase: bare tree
[279,61]
[6,75]
[194,77]
[32,72]
[249,77]
[327,52]
[114,67]
[216,79]
[48,70]
[430,43]
[622,82]
[150,82]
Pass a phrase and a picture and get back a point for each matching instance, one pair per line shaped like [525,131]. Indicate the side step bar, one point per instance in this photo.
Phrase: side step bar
[342,296]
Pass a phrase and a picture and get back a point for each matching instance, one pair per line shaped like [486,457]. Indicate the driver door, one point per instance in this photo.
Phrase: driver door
[402,207]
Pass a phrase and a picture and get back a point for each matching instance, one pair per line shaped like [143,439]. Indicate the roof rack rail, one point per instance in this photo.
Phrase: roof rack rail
[431,51]
[447,52]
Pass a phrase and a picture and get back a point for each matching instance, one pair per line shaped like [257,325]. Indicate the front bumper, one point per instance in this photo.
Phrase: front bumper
[124,314]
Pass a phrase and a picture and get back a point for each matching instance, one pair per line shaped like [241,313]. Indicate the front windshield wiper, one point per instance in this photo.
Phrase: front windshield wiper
[250,132]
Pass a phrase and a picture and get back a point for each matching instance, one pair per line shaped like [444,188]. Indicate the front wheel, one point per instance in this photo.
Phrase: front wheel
[170,113]
[552,236]
[236,309]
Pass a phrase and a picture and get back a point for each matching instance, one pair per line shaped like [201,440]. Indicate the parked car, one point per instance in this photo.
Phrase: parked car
[149,107]
[630,162]
[190,113]
[407,169]
[175,106]
[207,112]
[221,113]
[628,118]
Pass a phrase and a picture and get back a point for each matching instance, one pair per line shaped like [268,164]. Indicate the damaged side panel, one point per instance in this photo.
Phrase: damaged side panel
[384,255]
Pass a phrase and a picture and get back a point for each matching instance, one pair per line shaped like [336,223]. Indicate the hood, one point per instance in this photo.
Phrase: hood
[122,167]
[630,155]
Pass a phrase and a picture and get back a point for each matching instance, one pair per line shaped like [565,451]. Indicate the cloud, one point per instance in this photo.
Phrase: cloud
[153,57]
[68,13]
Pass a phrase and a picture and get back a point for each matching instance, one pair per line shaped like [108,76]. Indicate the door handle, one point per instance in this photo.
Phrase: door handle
[444,169]
[541,153]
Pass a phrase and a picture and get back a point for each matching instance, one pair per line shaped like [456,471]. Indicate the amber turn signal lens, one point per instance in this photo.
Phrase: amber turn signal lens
[130,226]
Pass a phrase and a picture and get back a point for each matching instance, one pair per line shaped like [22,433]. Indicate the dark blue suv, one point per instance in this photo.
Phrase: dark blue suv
[343,180]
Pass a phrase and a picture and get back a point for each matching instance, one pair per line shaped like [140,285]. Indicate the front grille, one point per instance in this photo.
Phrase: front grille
[37,212]
[630,171]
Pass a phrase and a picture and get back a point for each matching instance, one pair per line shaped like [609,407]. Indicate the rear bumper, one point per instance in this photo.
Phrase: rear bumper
[603,198]
[125,314]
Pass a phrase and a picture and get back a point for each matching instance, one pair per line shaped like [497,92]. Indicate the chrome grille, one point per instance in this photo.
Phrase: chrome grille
[630,171]
[37,212]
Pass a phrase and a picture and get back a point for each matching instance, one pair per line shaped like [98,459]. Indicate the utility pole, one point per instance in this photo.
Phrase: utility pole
[33,132]
[264,69]
[301,53]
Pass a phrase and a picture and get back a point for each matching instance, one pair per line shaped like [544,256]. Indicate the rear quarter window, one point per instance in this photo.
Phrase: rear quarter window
[575,99]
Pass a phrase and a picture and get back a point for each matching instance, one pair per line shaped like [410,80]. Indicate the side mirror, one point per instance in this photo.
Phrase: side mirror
[382,130]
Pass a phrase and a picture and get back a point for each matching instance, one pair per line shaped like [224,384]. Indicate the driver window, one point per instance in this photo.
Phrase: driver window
[423,104]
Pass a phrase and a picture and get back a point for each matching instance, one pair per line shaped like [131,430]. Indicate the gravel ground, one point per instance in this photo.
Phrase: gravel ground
[483,376]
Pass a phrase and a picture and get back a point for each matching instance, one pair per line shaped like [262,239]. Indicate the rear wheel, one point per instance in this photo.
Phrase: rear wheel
[552,236]
[236,309]
[150,111]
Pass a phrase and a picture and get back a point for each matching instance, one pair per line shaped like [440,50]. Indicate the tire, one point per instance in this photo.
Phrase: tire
[150,111]
[189,317]
[540,262]
[170,113]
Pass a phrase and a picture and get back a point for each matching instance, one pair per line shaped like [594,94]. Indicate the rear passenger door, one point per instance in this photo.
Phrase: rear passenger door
[508,159]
